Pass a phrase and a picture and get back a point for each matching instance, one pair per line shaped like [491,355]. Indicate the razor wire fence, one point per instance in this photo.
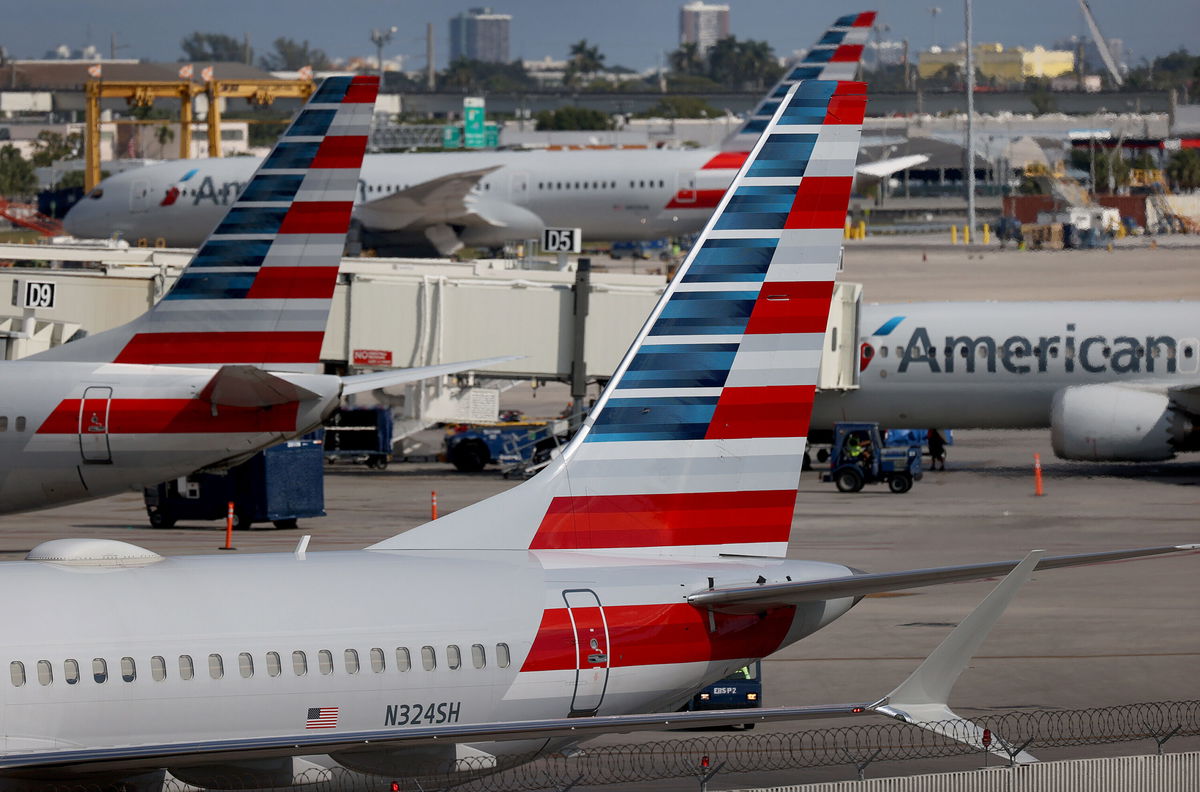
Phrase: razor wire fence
[419,768]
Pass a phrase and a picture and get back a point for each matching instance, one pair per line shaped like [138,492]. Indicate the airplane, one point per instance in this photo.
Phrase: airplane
[645,561]
[1114,381]
[223,366]
[423,203]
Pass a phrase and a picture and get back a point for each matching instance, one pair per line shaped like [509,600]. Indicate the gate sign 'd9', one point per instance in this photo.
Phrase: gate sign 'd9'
[561,240]
[34,294]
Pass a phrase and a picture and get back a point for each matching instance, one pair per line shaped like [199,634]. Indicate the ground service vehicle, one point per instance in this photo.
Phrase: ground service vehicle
[740,690]
[859,457]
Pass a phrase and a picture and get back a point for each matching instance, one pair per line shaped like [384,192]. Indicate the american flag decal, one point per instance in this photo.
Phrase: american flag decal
[322,718]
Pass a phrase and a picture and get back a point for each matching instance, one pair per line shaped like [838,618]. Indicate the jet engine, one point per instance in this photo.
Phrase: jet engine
[1118,423]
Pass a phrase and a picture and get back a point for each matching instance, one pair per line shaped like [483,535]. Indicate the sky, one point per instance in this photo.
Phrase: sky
[632,33]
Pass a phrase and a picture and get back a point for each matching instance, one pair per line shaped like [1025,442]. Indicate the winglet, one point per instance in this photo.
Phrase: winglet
[922,699]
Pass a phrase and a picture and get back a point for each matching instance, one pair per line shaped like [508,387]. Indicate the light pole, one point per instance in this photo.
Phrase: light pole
[379,38]
[970,153]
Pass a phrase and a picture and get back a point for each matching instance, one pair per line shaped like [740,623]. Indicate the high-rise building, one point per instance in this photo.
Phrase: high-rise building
[703,24]
[481,35]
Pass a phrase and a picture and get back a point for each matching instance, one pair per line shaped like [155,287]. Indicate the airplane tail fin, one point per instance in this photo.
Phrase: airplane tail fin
[258,291]
[835,56]
[695,446]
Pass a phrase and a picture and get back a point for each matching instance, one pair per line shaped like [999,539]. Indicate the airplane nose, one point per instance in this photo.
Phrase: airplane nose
[87,219]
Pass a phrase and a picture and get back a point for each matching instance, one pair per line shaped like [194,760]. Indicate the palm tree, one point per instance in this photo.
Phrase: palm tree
[585,60]
[687,59]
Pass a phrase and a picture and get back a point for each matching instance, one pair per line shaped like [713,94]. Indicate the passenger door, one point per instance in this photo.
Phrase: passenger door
[139,196]
[591,650]
[685,187]
[93,425]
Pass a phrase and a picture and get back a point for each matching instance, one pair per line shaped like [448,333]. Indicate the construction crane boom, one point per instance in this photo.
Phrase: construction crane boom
[1101,44]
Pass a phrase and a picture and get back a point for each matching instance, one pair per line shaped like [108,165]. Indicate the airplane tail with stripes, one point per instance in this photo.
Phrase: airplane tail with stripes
[695,447]
[259,290]
[835,56]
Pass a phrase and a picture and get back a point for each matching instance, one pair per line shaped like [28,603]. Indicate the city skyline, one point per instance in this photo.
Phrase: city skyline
[153,30]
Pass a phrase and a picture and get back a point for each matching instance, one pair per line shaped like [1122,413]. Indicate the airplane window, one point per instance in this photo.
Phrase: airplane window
[246,665]
[216,666]
[45,672]
[478,658]
[299,663]
[158,668]
[16,670]
[428,658]
[982,352]
[377,662]
[641,183]
[325,661]
[883,352]
[71,671]
[96,194]
[351,658]
[21,419]
[453,657]
[128,669]
[1107,351]
[1037,351]
[100,670]
[3,423]
[186,668]
[1154,351]
[274,667]
[1187,353]
[502,657]
[964,351]
[1053,351]
[403,661]
[899,351]
[631,184]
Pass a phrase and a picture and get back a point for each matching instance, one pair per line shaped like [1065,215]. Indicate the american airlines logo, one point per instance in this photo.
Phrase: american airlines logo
[1019,354]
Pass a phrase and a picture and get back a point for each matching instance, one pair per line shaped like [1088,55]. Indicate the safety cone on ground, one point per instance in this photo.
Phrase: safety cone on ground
[1037,475]
[433,505]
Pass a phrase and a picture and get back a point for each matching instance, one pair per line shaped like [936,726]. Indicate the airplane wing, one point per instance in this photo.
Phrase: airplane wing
[881,169]
[382,379]
[439,200]
[756,598]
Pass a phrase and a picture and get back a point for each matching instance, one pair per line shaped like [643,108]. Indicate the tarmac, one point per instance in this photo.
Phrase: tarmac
[1101,635]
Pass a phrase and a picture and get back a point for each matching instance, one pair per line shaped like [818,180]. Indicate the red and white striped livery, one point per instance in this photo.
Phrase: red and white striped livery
[185,386]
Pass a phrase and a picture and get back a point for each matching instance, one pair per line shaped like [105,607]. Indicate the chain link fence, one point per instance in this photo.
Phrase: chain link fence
[693,757]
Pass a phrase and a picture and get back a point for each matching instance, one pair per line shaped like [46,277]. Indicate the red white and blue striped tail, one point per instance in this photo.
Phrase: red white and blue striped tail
[695,447]
[258,291]
[835,56]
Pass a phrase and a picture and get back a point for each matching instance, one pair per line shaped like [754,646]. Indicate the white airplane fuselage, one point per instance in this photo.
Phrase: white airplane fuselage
[584,635]
[634,194]
[1021,354]
[74,431]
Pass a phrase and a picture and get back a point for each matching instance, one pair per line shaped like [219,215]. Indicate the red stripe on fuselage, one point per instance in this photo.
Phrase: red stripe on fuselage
[790,307]
[661,634]
[317,217]
[294,283]
[341,151]
[820,203]
[265,346]
[727,160]
[765,411]
[670,520]
[702,199]
[174,416]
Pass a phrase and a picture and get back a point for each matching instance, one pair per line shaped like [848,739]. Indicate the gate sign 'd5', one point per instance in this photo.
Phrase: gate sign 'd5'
[561,240]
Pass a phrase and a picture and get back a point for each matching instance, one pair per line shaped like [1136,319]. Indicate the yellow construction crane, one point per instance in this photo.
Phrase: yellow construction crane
[143,93]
